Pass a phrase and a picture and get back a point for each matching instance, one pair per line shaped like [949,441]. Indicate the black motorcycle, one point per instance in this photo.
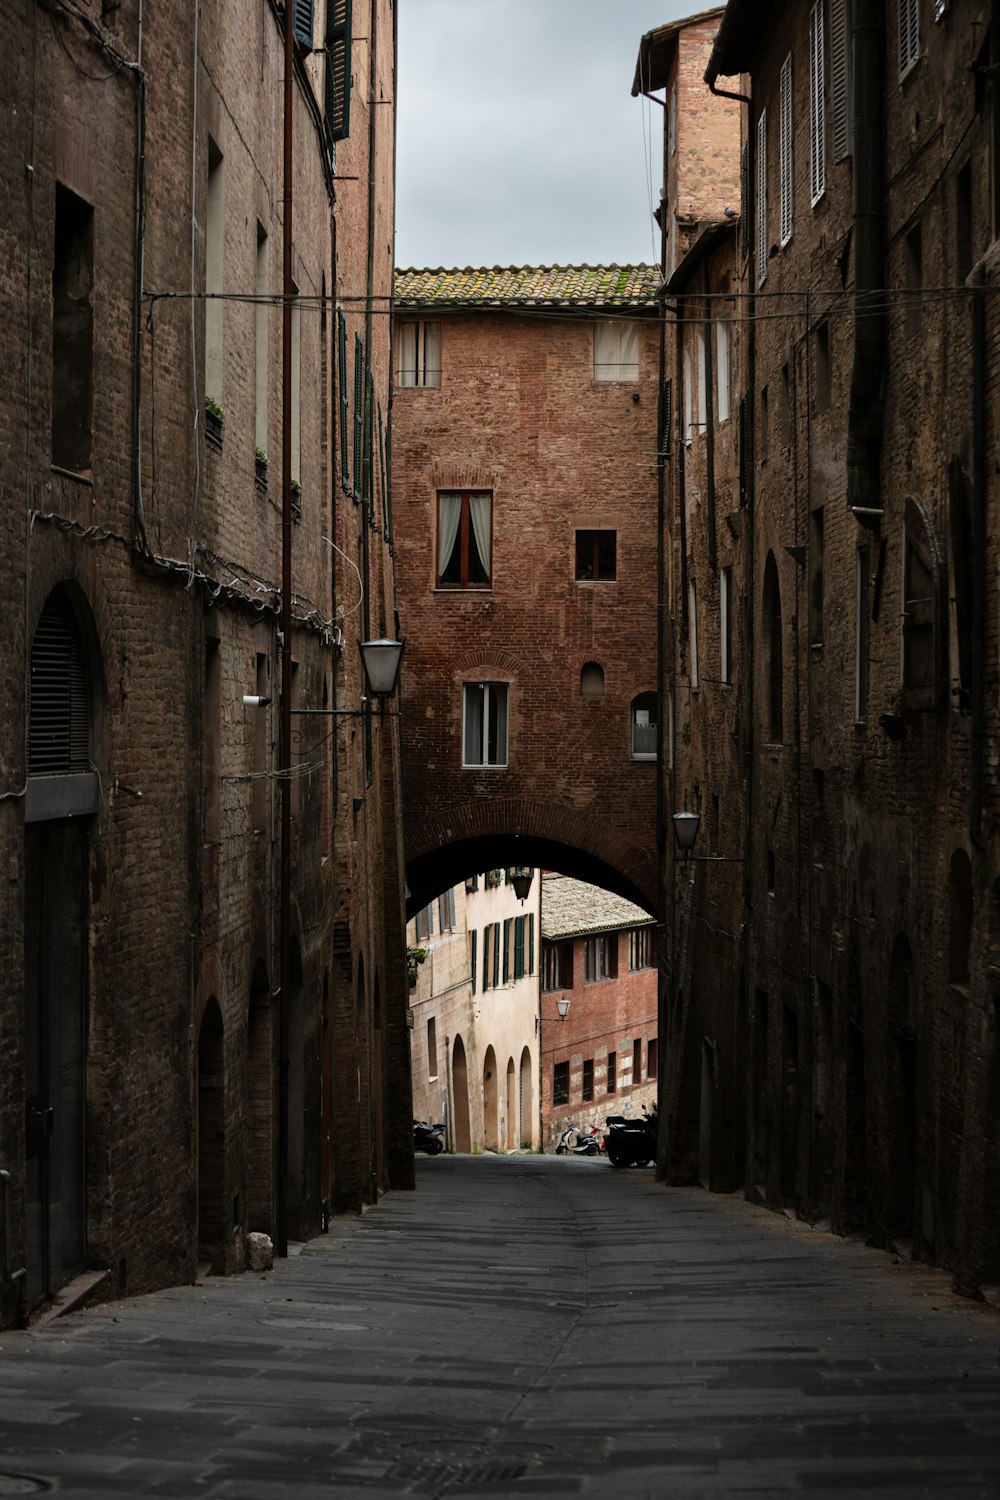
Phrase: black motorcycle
[631,1143]
[429,1138]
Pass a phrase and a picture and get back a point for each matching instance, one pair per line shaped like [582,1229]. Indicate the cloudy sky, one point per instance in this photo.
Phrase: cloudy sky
[519,140]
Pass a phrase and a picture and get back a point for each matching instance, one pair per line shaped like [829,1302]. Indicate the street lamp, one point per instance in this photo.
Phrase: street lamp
[562,1006]
[686,825]
[381,660]
[520,879]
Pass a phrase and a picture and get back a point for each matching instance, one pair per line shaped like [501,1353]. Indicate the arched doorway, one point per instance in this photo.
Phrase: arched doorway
[62,796]
[491,1102]
[508,1138]
[260,1104]
[525,1132]
[211,1137]
[460,1092]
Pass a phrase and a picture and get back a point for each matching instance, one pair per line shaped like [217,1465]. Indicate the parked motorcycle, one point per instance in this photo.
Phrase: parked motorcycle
[631,1142]
[578,1142]
[427,1137]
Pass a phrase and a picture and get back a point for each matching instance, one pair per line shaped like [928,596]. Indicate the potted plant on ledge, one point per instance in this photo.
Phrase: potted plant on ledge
[214,417]
[296,499]
[260,467]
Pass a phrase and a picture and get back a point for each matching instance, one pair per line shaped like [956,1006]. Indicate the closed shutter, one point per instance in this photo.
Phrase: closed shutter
[745,200]
[59,696]
[302,23]
[817,110]
[359,414]
[762,198]
[337,100]
[345,466]
[909,35]
[840,74]
[666,417]
[785,162]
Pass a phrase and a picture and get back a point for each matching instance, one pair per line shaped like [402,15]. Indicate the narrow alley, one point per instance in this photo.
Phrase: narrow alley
[522,1325]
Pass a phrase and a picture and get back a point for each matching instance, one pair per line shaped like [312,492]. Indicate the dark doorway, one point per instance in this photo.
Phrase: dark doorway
[460,1091]
[260,1104]
[55,957]
[211,1138]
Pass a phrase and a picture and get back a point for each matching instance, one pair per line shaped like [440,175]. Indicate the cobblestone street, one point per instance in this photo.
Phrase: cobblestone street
[522,1325]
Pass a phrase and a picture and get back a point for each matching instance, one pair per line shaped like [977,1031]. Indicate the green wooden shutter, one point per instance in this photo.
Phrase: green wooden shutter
[666,418]
[302,23]
[531,943]
[518,947]
[359,413]
[473,935]
[337,92]
[496,954]
[368,478]
[345,467]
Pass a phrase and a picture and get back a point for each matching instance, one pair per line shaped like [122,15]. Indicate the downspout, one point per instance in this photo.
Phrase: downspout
[864,420]
[750,473]
[979,583]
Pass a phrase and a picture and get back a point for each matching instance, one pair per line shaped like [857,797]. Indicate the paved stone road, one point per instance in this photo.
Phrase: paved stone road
[522,1326]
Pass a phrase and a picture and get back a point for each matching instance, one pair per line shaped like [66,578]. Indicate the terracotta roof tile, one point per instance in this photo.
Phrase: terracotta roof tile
[529,286]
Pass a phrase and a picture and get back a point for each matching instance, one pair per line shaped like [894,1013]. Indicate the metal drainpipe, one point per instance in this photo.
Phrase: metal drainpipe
[285,897]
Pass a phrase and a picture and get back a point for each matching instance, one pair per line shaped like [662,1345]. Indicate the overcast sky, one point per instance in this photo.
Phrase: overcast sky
[519,140]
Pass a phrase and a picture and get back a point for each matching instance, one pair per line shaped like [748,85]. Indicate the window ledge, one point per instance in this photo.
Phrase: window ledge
[82,476]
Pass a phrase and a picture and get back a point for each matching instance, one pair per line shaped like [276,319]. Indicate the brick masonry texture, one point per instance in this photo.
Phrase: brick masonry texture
[175,582]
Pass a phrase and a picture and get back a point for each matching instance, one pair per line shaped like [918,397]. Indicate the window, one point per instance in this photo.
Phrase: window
[725,624]
[484,730]
[72,332]
[491,955]
[359,416]
[600,958]
[861,635]
[909,35]
[507,941]
[821,344]
[588,1080]
[918,614]
[773,673]
[723,341]
[261,311]
[640,948]
[343,401]
[214,235]
[651,1058]
[557,966]
[432,1048]
[596,555]
[465,539]
[519,964]
[644,723]
[817,103]
[560,1083]
[785,163]
[701,389]
[425,923]
[473,955]
[840,75]
[914,280]
[612,1072]
[762,198]
[471,883]
[637,1060]
[693,634]
[616,351]
[446,911]
[419,353]
[816,577]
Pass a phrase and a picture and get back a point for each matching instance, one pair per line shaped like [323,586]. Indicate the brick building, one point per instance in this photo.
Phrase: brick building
[525,483]
[140,1000]
[840,974]
[474,1008]
[598,1007]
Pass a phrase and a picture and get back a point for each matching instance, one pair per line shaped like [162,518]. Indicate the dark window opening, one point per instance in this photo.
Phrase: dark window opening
[560,1083]
[600,958]
[596,555]
[588,1080]
[612,1072]
[72,332]
[557,966]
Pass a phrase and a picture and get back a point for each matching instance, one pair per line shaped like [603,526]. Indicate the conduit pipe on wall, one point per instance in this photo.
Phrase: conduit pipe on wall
[865,411]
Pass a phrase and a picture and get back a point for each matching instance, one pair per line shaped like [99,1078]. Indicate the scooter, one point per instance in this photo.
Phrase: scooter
[427,1137]
[631,1142]
[578,1142]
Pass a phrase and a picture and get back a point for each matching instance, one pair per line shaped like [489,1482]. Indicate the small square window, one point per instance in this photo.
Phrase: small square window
[596,555]
[419,345]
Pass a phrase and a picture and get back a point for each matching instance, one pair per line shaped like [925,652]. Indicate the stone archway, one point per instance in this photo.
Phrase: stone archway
[524,1114]
[508,1139]
[460,1097]
[491,1102]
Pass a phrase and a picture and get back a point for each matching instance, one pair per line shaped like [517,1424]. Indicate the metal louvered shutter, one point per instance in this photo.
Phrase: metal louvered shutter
[840,74]
[785,147]
[302,23]
[59,701]
[337,90]
[817,102]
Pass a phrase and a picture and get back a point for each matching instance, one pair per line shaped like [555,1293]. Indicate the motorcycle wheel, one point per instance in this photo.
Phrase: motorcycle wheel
[616,1157]
[560,1150]
[591,1150]
[435,1147]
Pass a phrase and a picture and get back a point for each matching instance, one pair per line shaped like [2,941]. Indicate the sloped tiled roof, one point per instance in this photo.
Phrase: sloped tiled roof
[571,908]
[529,286]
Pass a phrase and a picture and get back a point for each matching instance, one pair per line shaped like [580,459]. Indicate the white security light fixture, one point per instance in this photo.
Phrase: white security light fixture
[381,660]
[562,1006]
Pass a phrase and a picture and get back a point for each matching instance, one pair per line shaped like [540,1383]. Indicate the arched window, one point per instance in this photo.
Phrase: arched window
[592,681]
[959,917]
[772,651]
[644,721]
[62,781]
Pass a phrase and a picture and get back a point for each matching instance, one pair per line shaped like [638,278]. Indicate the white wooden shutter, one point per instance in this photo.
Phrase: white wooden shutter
[909,34]
[762,198]
[785,150]
[817,103]
[840,74]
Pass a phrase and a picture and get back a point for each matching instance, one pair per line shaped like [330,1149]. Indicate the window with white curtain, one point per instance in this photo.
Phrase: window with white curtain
[616,351]
[785,164]
[419,350]
[817,103]
[484,724]
[465,539]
